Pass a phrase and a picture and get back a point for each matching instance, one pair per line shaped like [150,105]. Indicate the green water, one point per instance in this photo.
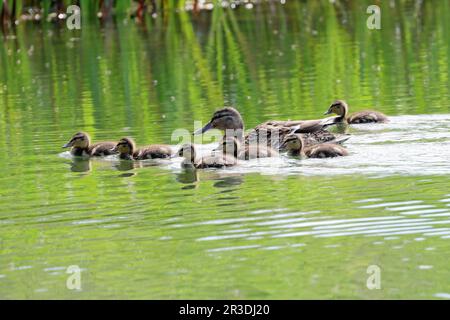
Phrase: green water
[267,229]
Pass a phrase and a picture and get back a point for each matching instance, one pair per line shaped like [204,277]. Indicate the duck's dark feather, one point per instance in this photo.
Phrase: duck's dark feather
[154,151]
[305,126]
[326,150]
[96,150]
[367,116]
[268,133]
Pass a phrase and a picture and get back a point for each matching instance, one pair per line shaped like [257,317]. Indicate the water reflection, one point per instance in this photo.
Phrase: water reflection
[187,176]
[229,181]
[80,165]
[126,165]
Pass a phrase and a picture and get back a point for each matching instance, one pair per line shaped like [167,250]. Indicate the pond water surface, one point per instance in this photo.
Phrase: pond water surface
[278,228]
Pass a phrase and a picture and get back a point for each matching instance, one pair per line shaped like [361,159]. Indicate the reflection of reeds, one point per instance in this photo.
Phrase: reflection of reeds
[184,66]
[12,10]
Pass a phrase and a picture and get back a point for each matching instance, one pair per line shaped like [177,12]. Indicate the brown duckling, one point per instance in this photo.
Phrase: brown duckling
[340,108]
[232,146]
[191,161]
[294,144]
[80,145]
[270,133]
[128,151]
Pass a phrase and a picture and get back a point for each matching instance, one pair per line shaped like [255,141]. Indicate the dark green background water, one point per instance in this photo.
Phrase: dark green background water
[268,229]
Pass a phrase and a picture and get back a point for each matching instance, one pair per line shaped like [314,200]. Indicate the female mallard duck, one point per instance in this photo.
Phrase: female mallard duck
[128,151]
[232,147]
[294,144]
[340,108]
[80,145]
[271,133]
[191,161]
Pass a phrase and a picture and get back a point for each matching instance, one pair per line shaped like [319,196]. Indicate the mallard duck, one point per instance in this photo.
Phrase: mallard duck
[80,145]
[270,133]
[128,151]
[294,144]
[232,147]
[191,161]
[340,108]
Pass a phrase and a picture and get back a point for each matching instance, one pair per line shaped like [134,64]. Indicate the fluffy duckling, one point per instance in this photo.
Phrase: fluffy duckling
[232,147]
[340,108]
[80,145]
[230,121]
[295,146]
[127,150]
[187,151]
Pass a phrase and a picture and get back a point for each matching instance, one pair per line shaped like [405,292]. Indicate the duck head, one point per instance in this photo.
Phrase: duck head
[339,107]
[225,119]
[292,143]
[79,140]
[187,151]
[125,147]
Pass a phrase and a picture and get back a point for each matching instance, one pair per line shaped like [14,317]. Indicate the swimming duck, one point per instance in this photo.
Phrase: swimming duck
[271,132]
[294,144]
[232,147]
[340,108]
[80,145]
[187,151]
[128,151]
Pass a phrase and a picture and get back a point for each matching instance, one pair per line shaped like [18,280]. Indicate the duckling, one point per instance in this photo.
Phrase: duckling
[232,147]
[295,146]
[230,121]
[127,150]
[187,151]
[80,145]
[340,108]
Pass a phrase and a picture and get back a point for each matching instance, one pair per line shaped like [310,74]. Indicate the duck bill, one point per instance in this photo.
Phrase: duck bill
[114,149]
[282,146]
[207,127]
[67,145]
[328,112]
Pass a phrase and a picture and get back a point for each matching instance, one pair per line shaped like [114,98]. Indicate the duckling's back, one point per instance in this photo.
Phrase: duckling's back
[326,150]
[216,161]
[153,151]
[367,116]
[102,149]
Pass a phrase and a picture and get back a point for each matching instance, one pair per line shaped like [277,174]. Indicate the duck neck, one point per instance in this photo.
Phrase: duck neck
[343,116]
[78,151]
[125,156]
[295,153]
[234,133]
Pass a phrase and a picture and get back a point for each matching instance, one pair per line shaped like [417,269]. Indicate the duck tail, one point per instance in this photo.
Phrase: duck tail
[341,140]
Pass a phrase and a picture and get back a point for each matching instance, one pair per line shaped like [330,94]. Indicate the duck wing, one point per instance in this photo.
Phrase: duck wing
[102,149]
[326,150]
[303,126]
[153,151]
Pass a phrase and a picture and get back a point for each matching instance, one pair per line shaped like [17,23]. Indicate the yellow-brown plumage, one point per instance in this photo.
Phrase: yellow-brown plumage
[191,161]
[269,133]
[231,146]
[80,145]
[340,108]
[294,144]
[127,150]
